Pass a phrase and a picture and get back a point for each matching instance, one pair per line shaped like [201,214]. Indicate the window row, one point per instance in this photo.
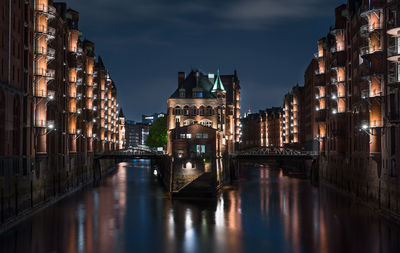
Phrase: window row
[189,136]
[193,111]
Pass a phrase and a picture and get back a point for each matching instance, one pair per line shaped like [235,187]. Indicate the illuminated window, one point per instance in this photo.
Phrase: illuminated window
[200,149]
[198,94]
[206,123]
[188,122]
[186,111]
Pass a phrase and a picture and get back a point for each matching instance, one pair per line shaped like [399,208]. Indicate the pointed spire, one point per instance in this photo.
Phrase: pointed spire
[100,61]
[121,113]
[218,86]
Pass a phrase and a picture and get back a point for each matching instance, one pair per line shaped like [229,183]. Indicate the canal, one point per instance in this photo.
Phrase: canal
[264,211]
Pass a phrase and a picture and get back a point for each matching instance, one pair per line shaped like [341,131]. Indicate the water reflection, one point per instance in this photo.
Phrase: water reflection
[263,211]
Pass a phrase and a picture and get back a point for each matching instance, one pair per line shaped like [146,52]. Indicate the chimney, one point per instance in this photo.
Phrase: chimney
[181,78]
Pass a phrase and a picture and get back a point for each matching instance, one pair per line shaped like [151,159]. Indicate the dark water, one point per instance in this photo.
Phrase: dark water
[264,212]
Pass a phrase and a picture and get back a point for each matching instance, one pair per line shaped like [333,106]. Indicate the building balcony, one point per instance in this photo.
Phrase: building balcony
[40,93]
[394,28]
[371,8]
[365,30]
[375,124]
[45,9]
[47,73]
[394,80]
[49,53]
[40,123]
[393,54]
[43,30]
[367,94]
[366,51]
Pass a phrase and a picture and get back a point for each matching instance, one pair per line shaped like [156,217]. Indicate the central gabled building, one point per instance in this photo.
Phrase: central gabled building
[208,100]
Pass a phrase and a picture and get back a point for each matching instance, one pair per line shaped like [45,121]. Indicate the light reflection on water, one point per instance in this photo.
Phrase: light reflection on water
[263,211]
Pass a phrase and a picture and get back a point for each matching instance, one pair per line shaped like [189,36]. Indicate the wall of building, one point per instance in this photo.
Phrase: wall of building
[49,123]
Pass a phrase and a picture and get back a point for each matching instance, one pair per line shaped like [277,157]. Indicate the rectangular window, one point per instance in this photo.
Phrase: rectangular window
[183,136]
[189,136]
[205,136]
[200,149]
[198,136]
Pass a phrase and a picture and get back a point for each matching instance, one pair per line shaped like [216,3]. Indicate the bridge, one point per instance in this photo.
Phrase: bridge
[133,153]
[273,153]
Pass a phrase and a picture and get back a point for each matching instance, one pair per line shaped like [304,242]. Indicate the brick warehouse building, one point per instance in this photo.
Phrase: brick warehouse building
[54,110]
[359,102]
[209,100]
[262,129]
[348,109]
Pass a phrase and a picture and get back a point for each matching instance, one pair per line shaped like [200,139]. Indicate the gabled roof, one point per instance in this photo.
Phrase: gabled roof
[195,81]
[218,86]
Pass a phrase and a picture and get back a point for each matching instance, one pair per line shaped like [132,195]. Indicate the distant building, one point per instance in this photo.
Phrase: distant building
[149,119]
[121,130]
[263,129]
[251,131]
[293,118]
[136,133]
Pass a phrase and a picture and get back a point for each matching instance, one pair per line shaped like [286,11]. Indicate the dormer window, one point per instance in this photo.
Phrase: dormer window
[182,93]
[198,94]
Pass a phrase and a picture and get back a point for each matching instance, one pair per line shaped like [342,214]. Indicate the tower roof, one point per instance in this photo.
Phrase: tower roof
[121,113]
[218,86]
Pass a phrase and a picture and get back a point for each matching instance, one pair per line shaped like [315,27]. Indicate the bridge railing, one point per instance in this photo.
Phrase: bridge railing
[273,151]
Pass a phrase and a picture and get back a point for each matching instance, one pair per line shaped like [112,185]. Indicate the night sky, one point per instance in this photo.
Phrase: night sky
[144,43]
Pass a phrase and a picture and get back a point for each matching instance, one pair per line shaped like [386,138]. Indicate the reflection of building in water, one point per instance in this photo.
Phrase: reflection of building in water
[264,190]
[189,226]
[299,213]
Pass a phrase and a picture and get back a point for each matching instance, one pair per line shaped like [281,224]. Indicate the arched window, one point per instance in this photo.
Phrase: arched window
[206,123]
[2,123]
[177,111]
[209,111]
[193,111]
[201,110]
[186,111]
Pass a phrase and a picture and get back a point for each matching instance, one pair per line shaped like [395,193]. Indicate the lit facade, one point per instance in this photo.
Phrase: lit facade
[292,118]
[209,100]
[47,103]
[358,100]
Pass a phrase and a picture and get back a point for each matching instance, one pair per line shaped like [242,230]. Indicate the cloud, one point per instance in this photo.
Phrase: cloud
[241,14]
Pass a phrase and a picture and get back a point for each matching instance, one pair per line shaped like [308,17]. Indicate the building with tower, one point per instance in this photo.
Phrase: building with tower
[208,100]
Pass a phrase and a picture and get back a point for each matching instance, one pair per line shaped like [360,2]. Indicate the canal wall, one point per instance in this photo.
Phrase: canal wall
[365,180]
[194,177]
[51,178]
